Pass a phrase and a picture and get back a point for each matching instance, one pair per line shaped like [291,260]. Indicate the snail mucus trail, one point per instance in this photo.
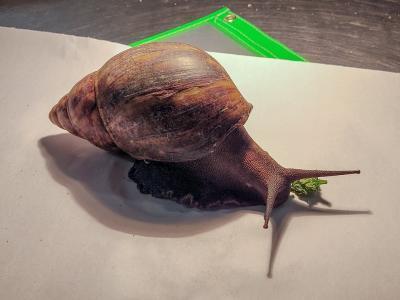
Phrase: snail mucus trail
[174,105]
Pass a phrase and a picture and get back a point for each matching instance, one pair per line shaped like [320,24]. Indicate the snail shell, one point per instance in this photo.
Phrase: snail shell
[160,101]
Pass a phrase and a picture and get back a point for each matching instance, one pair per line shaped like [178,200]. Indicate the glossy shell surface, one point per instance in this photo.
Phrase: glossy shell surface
[168,102]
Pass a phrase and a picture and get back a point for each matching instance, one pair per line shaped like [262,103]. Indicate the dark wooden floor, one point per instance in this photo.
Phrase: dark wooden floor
[359,33]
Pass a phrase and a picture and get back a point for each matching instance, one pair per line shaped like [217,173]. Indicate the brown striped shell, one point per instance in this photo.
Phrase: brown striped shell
[161,101]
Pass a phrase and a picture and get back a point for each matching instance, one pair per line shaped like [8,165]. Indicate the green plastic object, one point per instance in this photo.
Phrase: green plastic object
[236,28]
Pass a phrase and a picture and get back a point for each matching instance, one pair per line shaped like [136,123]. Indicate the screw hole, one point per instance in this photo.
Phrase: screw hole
[230,18]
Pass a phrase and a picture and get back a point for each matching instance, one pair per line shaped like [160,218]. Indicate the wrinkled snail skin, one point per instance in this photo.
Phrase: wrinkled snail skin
[174,103]
[248,168]
[239,164]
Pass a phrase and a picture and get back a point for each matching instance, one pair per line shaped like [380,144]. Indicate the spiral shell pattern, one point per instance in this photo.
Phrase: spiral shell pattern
[77,112]
[160,101]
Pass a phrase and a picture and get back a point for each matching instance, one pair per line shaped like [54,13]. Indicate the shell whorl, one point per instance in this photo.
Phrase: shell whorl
[168,102]
[160,101]
[77,112]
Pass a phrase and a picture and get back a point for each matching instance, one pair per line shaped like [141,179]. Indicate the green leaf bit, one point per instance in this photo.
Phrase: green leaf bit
[306,187]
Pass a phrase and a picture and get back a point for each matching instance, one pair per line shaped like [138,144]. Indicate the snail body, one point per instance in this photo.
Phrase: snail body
[174,104]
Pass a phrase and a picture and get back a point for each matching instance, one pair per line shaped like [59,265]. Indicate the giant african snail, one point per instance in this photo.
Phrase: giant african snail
[171,102]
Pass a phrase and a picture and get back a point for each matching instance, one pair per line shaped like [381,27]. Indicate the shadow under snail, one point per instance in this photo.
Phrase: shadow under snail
[175,105]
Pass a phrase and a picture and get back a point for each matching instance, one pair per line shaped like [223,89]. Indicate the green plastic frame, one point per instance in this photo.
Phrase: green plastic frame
[238,29]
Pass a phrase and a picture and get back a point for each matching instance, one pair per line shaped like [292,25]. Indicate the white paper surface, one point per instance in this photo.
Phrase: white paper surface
[72,225]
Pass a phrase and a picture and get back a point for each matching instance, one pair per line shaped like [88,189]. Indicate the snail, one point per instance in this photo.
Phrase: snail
[176,106]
